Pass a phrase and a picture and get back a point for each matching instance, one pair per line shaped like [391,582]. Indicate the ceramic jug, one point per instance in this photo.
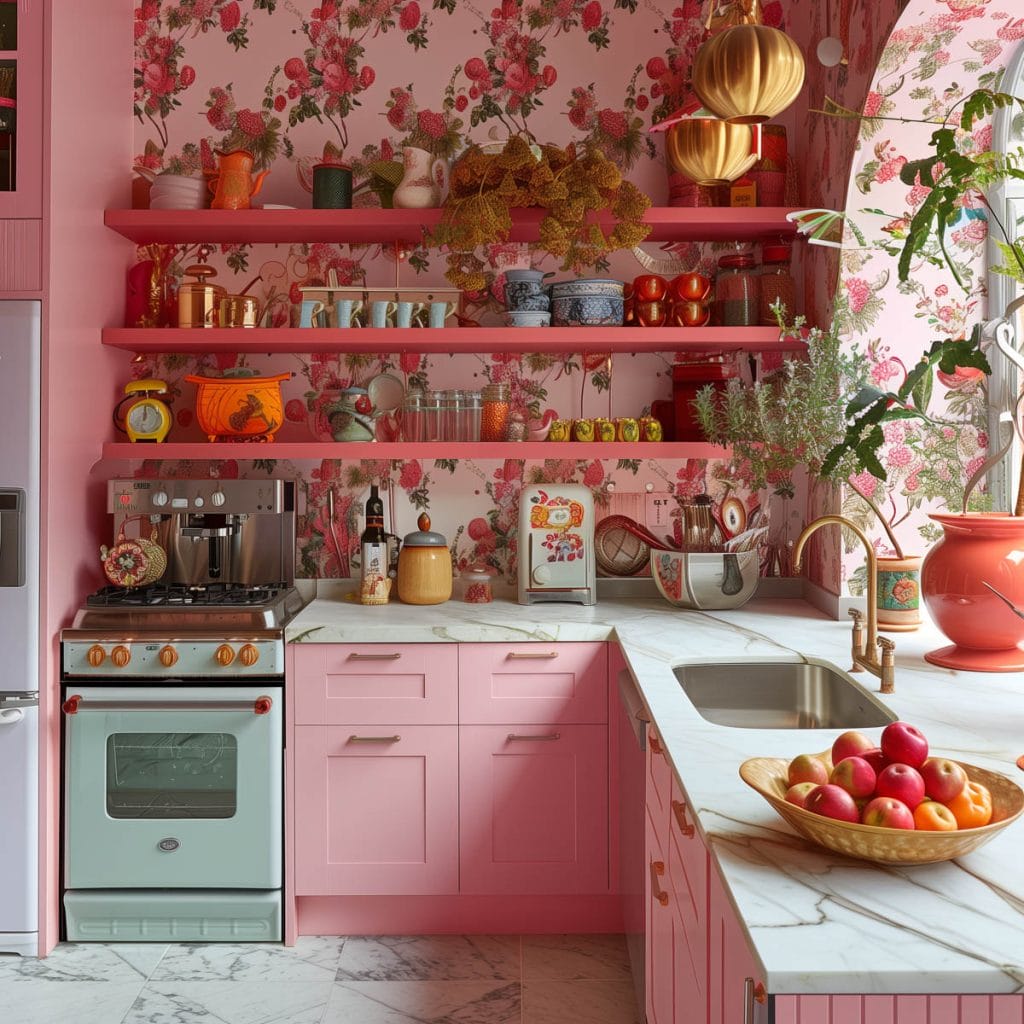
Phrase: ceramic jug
[423,181]
[234,185]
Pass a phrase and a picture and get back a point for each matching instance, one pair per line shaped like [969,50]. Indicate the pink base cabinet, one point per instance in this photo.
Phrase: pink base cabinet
[472,780]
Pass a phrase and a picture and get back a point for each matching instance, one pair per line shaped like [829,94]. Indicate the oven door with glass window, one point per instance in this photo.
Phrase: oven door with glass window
[173,787]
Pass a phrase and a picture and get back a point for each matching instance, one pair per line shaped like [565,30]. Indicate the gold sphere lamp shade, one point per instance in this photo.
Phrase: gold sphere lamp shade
[748,74]
[710,152]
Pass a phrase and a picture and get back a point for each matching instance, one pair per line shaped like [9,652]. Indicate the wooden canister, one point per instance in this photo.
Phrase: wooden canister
[424,566]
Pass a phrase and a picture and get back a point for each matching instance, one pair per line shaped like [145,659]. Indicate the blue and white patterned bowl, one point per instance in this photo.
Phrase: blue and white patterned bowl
[587,311]
[588,287]
[527,318]
[526,295]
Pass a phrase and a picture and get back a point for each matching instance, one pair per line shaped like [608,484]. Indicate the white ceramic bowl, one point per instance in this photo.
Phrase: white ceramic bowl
[706,581]
[527,318]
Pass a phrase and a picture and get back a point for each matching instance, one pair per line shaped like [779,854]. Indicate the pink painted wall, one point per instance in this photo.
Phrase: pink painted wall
[85,266]
[937,53]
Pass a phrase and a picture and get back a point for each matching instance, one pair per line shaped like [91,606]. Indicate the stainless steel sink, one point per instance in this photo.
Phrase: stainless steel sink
[767,695]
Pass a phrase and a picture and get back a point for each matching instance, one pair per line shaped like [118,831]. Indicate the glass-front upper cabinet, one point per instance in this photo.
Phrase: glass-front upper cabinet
[21,102]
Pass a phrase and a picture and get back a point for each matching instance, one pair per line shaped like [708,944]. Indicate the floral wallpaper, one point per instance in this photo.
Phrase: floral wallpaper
[937,54]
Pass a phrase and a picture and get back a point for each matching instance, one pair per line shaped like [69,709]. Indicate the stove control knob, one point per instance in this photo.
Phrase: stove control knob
[95,655]
[218,498]
[120,656]
[542,574]
[168,656]
[248,655]
[224,655]
[160,498]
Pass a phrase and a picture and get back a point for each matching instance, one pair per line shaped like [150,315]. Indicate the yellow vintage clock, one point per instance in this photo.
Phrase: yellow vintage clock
[146,417]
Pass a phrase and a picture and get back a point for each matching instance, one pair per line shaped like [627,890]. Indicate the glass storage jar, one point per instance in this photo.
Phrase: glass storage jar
[475,584]
[452,415]
[433,416]
[495,412]
[413,416]
[737,296]
[776,284]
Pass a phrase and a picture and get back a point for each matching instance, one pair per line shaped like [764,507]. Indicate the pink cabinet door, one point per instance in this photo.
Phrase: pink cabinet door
[659,938]
[533,809]
[376,810]
[735,979]
[688,877]
[539,683]
[376,684]
[21,152]
[659,776]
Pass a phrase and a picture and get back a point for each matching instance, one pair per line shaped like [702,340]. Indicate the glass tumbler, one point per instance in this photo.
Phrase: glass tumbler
[413,416]
[433,414]
[452,414]
[469,420]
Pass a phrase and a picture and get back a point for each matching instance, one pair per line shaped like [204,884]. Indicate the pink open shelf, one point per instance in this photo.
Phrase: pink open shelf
[367,226]
[533,450]
[547,340]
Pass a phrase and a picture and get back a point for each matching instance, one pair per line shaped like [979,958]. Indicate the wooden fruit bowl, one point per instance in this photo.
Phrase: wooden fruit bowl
[885,845]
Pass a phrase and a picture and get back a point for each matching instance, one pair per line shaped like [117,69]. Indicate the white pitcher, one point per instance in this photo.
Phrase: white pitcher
[423,180]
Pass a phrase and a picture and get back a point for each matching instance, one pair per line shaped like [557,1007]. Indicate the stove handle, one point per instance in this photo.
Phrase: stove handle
[75,703]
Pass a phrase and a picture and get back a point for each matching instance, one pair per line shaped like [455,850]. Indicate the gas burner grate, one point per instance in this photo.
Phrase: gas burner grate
[180,594]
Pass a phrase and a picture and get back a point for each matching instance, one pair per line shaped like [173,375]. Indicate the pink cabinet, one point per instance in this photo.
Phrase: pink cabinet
[659,776]
[736,989]
[533,809]
[688,878]
[376,809]
[538,683]
[21,125]
[376,683]
[659,931]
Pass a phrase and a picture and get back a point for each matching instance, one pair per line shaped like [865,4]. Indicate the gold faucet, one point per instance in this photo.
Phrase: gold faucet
[862,649]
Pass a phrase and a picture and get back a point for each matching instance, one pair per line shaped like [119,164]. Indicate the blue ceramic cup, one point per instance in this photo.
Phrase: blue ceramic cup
[380,312]
[403,314]
[439,312]
[311,313]
[345,310]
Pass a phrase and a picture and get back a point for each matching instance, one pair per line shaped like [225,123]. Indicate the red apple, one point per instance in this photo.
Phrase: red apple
[943,779]
[807,768]
[875,758]
[855,775]
[901,782]
[905,744]
[833,802]
[886,812]
[798,793]
[849,744]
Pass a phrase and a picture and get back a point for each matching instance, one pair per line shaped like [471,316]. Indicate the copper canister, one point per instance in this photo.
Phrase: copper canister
[238,311]
[198,300]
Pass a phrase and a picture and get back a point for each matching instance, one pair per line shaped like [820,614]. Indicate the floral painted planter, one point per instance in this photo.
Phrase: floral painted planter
[899,594]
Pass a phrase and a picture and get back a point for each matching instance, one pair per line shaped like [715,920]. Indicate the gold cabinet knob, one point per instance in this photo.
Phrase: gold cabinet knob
[168,656]
[120,656]
[224,655]
[248,655]
[95,655]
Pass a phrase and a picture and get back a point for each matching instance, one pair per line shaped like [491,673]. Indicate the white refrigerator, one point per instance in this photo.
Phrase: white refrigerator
[19,625]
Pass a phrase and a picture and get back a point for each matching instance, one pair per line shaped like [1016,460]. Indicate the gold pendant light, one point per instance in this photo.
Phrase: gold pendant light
[708,151]
[749,72]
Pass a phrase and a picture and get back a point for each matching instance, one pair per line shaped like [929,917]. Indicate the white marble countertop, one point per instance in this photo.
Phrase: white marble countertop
[817,921]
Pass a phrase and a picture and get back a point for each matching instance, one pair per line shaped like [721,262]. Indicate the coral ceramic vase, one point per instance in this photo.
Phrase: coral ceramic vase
[899,594]
[234,185]
[977,549]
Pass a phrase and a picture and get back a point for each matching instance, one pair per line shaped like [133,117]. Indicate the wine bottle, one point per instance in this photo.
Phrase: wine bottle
[373,543]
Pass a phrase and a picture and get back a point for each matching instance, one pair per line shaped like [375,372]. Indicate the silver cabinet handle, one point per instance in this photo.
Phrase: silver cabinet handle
[546,655]
[752,993]
[512,736]
[9,716]
[76,702]
[355,656]
[373,739]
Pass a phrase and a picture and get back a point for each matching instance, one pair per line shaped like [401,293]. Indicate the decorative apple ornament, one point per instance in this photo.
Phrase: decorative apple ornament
[690,287]
[832,801]
[850,744]
[904,743]
[886,812]
[649,287]
[798,793]
[901,782]
[363,405]
[943,779]
[854,775]
[807,768]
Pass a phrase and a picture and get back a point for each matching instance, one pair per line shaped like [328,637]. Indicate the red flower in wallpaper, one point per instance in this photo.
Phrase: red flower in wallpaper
[619,134]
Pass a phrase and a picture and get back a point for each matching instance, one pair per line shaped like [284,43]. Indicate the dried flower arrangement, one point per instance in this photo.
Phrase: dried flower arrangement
[570,185]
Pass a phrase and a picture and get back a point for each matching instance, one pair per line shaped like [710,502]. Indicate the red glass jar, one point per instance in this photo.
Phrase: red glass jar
[737,296]
[776,284]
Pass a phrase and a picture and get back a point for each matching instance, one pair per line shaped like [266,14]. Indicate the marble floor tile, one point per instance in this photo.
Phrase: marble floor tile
[312,958]
[43,1001]
[226,1002]
[87,961]
[430,958]
[582,1002]
[575,957]
[424,1002]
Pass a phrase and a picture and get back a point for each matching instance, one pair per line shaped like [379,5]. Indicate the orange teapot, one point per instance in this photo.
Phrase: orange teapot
[234,185]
